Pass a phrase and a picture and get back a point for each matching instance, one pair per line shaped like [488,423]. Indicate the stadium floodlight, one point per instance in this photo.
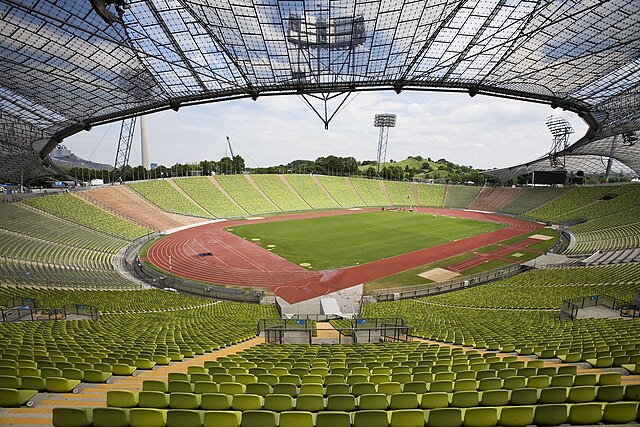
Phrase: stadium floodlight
[384,122]
[560,129]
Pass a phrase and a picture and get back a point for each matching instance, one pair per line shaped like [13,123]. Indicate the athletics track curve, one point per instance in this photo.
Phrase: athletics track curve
[236,261]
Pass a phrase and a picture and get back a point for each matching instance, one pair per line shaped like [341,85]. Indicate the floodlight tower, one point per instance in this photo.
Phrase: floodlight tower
[384,122]
[560,130]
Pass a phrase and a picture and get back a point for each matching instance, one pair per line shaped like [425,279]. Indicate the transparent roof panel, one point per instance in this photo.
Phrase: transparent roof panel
[63,67]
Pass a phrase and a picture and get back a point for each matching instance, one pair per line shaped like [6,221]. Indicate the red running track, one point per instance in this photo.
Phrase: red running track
[235,261]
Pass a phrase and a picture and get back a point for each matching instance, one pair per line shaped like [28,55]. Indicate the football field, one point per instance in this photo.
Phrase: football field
[346,240]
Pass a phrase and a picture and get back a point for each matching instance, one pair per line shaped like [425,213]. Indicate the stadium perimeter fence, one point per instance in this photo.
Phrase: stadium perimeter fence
[427,289]
[361,330]
[571,307]
[21,308]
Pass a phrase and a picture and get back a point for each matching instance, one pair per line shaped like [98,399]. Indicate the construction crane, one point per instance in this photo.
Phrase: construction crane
[230,149]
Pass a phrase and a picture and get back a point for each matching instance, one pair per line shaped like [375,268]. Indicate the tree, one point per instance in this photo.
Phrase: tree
[371,172]
[225,165]
[238,164]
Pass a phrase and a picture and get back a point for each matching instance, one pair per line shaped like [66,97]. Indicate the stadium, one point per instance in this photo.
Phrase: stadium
[312,300]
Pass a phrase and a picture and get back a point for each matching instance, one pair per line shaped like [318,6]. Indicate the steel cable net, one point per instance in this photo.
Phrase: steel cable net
[65,69]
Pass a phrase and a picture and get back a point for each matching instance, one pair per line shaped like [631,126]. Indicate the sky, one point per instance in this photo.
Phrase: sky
[483,131]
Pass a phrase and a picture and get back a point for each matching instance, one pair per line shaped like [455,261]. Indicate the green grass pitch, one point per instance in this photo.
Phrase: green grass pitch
[347,240]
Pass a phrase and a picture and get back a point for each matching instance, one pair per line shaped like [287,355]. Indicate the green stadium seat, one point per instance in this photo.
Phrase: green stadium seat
[487,384]
[286,388]
[610,393]
[434,400]
[631,391]
[72,417]
[333,419]
[278,402]
[147,417]
[261,389]
[232,388]
[585,379]
[95,376]
[153,399]
[202,387]
[551,414]
[480,417]
[246,402]
[516,416]
[359,389]
[389,388]
[582,394]
[344,402]
[553,395]
[180,400]
[407,418]
[403,401]
[60,385]
[538,381]
[222,418]
[123,369]
[180,386]
[7,381]
[110,417]
[562,380]
[122,399]
[620,412]
[445,417]
[12,397]
[296,419]
[370,418]
[495,398]
[258,419]
[609,378]
[310,403]
[585,413]
[180,418]
[524,396]
[372,402]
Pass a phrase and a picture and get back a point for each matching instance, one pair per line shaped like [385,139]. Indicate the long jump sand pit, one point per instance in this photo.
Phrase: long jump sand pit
[541,237]
[439,275]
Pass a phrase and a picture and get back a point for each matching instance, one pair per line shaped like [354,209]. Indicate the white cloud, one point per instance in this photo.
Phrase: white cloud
[484,132]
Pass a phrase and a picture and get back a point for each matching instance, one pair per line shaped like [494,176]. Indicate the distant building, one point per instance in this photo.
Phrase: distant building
[152,166]
[60,152]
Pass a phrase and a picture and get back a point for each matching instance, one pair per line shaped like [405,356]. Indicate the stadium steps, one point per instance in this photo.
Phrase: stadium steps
[350,184]
[187,196]
[121,200]
[95,395]
[276,208]
[44,213]
[107,207]
[546,202]
[293,190]
[385,193]
[317,181]
[492,199]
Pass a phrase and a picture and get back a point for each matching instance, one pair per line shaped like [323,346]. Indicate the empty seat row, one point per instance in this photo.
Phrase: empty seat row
[511,416]
[372,400]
